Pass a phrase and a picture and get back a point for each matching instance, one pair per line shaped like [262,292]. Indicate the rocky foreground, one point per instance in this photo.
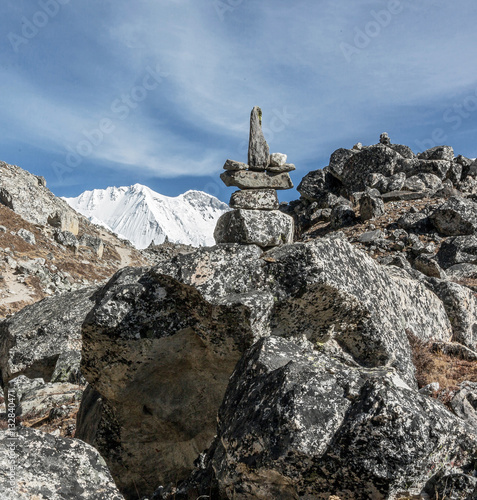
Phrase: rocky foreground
[340,366]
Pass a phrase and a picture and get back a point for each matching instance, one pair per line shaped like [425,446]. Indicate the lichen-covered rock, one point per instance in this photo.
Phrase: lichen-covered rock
[50,467]
[67,239]
[277,160]
[32,340]
[464,402]
[338,160]
[160,355]
[422,181]
[439,168]
[342,215]
[255,199]
[299,424]
[458,250]
[235,165]
[28,236]
[258,150]
[254,227]
[318,186]
[374,159]
[246,179]
[457,216]
[370,207]
[437,153]
[287,167]
[461,306]
[93,242]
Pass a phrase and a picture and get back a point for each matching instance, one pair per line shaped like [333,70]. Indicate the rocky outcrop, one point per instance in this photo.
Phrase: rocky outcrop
[45,466]
[179,336]
[29,197]
[456,217]
[160,355]
[32,341]
[296,423]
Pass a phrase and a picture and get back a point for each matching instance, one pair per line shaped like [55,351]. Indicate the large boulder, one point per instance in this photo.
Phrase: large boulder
[32,340]
[437,153]
[36,465]
[296,423]
[254,227]
[160,356]
[461,306]
[457,216]
[374,159]
[160,344]
[318,185]
[458,250]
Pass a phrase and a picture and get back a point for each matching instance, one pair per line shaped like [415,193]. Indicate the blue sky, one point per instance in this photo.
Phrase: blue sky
[99,93]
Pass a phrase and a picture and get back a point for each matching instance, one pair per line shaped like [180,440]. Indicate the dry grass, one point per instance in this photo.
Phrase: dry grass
[448,371]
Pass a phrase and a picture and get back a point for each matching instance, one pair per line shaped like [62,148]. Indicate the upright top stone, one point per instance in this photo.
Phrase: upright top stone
[258,150]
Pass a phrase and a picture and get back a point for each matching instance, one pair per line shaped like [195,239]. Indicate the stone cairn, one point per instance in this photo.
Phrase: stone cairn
[256,218]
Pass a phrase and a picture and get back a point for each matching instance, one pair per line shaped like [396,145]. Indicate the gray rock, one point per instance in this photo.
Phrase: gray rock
[428,265]
[277,160]
[455,173]
[235,165]
[160,356]
[258,150]
[404,195]
[371,237]
[255,199]
[358,146]
[245,179]
[430,389]
[461,307]
[458,250]
[370,207]
[41,180]
[457,216]
[21,385]
[86,240]
[415,222]
[464,402]
[342,215]
[374,159]
[64,220]
[37,402]
[437,153]
[51,467]
[26,235]
[396,182]
[67,239]
[422,181]
[338,161]
[319,185]
[308,426]
[67,368]
[254,227]
[384,139]
[462,271]
[32,340]
[404,151]
[287,167]
[439,168]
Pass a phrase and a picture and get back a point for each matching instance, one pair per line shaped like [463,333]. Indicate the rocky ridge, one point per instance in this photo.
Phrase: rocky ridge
[326,368]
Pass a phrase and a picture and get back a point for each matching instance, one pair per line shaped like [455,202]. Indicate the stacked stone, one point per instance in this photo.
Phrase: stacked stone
[256,218]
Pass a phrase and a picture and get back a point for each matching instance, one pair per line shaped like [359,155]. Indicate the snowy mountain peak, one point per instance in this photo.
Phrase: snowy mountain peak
[142,216]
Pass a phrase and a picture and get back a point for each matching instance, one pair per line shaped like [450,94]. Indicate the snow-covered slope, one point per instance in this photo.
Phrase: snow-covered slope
[141,215]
